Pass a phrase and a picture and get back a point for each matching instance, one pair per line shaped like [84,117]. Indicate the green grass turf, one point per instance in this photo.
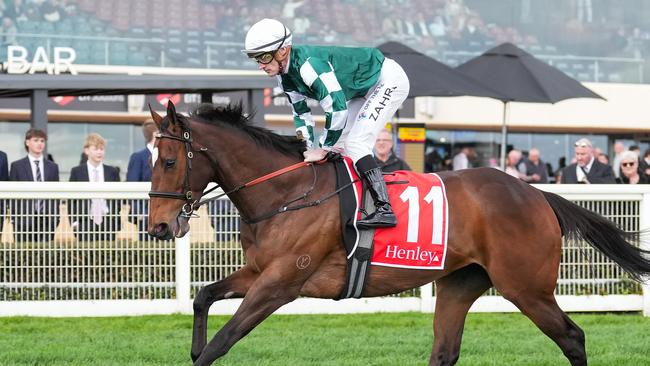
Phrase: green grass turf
[366,339]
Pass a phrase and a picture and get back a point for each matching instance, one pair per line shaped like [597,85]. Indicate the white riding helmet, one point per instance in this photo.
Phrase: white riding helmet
[267,35]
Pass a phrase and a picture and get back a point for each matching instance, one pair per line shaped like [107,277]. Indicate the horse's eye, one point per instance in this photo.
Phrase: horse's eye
[169,163]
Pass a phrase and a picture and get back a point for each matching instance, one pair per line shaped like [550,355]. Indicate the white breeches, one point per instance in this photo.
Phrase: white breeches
[368,115]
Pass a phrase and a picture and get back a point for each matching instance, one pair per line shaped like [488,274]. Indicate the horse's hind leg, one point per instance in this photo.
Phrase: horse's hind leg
[455,294]
[234,286]
[547,315]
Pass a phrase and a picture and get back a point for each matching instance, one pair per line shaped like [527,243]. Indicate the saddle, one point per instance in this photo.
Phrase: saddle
[419,241]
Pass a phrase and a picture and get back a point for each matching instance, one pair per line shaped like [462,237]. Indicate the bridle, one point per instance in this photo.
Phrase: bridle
[192,204]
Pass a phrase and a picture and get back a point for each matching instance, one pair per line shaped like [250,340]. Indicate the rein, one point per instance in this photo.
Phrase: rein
[192,205]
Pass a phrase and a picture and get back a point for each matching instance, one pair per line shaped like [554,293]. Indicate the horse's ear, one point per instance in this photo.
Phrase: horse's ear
[171,112]
[156,117]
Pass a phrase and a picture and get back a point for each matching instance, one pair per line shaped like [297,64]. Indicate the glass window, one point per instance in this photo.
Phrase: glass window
[13,140]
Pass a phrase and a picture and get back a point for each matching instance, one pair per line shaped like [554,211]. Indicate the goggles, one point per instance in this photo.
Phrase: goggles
[263,58]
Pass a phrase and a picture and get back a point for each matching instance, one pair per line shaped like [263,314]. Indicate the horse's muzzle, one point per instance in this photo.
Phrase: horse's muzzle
[161,231]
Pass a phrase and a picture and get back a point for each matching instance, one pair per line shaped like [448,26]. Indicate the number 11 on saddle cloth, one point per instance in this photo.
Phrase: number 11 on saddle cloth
[419,240]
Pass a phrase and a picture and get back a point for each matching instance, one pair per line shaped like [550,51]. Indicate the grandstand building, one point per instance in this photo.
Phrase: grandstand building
[603,43]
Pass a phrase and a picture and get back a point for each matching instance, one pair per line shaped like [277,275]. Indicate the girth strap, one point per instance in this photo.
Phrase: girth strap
[359,262]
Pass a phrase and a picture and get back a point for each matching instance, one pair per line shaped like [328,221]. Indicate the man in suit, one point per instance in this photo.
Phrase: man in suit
[4,176]
[4,170]
[35,219]
[91,216]
[139,170]
[587,169]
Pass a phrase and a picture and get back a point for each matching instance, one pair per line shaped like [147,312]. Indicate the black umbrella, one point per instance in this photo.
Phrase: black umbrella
[521,77]
[429,77]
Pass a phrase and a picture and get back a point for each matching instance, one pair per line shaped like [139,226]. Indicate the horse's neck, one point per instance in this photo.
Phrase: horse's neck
[240,160]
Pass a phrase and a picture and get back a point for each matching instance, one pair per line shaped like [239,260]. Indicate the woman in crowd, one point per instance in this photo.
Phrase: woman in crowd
[630,172]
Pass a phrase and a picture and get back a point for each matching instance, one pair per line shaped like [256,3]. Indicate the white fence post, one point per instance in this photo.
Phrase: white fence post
[426,298]
[644,225]
[183,274]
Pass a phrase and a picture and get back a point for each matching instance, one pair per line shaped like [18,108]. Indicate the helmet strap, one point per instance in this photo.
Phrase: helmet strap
[279,47]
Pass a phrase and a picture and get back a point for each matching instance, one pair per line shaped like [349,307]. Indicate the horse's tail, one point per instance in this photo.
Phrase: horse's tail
[602,234]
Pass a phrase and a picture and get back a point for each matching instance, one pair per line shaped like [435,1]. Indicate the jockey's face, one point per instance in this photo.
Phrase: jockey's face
[273,68]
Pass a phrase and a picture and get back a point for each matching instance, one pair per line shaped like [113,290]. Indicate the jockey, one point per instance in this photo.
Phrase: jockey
[358,88]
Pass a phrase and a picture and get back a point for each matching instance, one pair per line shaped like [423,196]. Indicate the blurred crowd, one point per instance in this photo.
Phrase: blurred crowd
[440,28]
[589,165]
[15,12]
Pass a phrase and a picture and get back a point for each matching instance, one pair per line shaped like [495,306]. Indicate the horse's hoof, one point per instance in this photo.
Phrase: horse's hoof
[195,356]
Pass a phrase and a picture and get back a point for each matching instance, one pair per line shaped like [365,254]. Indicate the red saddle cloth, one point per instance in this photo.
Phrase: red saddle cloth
[419,240]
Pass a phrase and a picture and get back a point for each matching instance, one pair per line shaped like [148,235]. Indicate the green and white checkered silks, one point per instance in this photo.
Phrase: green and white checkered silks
[319,76]
[302,117]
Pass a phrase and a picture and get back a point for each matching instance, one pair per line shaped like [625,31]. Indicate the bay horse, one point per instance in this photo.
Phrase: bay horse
[503,233]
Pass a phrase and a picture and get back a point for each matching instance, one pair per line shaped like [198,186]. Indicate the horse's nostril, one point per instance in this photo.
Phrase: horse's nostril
[159,230]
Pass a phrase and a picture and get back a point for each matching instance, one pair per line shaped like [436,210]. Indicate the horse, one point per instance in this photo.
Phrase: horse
[503,233]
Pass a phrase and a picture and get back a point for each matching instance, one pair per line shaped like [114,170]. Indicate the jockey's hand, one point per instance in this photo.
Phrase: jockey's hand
[314,155]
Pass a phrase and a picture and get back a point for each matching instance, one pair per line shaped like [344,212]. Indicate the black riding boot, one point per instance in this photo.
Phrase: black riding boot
[383,215]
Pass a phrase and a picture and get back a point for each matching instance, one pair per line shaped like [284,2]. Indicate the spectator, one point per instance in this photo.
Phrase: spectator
[4,175]
[645,163]
[433,162]
[619,148]
[13,9]
[603,158]
[630,173]
[512,164]
[535,169]
[4,170]
[463,158]
[456,14]
[437,28]
[139,169]
[384,155]
[9,32]
[587,169]
[51,11]
[561,164]
[597,151]
[91,218]
[635,149]
[290,7]
[34,167]
[301,23]
[35,219]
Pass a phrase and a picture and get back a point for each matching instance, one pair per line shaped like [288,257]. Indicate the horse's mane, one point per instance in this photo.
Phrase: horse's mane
[232,115]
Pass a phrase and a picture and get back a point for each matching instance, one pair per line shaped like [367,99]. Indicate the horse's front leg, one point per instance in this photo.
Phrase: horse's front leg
[269,292]
[234,286]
